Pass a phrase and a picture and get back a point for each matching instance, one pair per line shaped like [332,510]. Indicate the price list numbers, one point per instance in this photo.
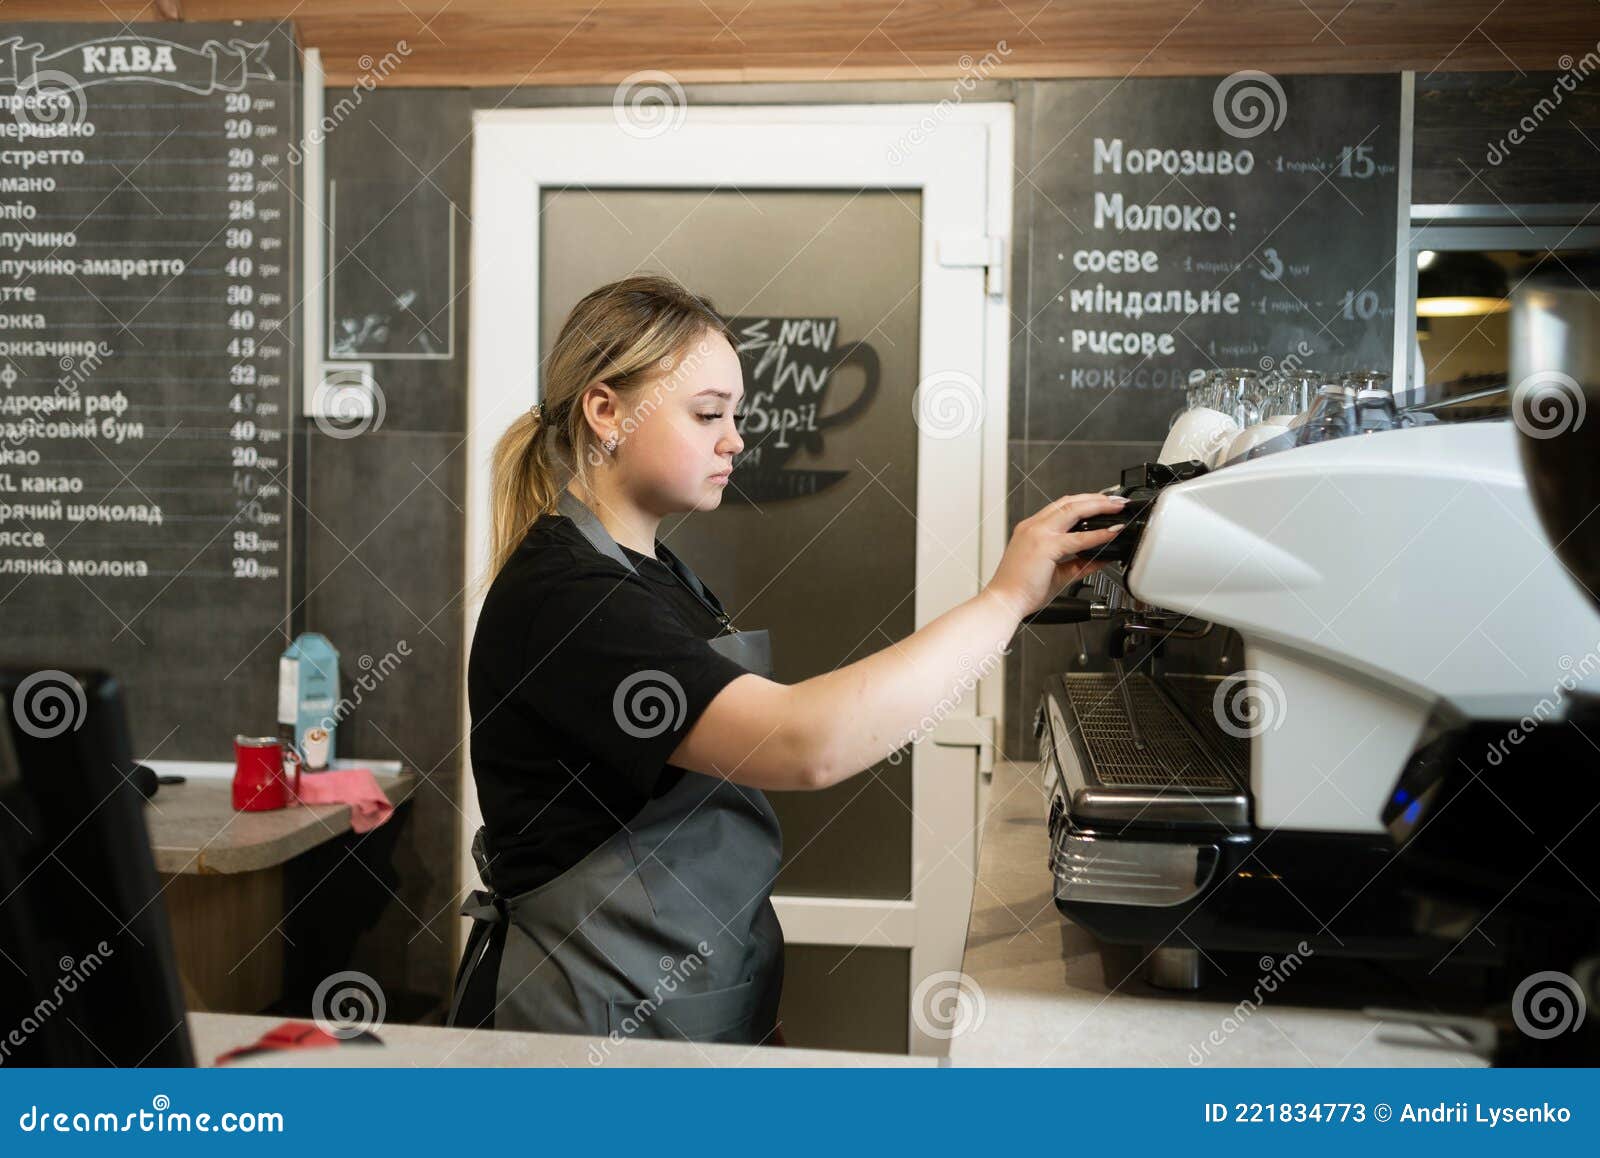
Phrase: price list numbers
[255,244]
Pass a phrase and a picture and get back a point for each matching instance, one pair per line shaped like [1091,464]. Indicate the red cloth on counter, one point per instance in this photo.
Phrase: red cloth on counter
[357,787]
[292,1035]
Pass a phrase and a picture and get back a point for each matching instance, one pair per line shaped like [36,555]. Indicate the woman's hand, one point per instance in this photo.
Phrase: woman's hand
[1040,559]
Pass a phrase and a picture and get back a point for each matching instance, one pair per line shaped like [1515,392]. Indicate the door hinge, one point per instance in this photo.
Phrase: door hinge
[969,250]
[968,732]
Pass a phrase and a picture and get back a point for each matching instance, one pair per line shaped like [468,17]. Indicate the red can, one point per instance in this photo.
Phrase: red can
[260,777]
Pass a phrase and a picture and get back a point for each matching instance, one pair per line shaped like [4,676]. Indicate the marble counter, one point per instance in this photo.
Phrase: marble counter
[435,1046]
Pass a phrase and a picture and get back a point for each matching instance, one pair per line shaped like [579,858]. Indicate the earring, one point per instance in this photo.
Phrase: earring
[611,443]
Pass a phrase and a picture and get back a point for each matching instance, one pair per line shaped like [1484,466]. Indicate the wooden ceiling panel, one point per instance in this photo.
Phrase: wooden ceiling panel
[514,42]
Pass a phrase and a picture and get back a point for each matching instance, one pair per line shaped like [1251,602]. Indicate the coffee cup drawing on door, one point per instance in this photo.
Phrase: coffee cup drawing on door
[789,368]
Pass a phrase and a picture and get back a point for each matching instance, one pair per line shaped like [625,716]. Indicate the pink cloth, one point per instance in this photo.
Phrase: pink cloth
[357,787]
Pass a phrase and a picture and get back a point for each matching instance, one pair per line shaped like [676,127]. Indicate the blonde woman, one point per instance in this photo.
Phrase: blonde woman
[623,733]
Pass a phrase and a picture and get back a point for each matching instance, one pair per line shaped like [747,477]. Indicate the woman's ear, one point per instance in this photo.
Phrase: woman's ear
[602,408]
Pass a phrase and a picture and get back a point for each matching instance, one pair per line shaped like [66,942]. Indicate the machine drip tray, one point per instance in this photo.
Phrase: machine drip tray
[1169,763]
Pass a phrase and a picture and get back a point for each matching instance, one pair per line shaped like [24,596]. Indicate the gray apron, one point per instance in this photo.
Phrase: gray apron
[666,930]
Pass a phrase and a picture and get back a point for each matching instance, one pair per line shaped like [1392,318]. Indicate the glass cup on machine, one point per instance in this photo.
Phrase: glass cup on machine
[1251,399]
[1331,414]
[1291,396]
[1360,402]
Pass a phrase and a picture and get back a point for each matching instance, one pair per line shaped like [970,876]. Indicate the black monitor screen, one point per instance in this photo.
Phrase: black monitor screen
[90,977]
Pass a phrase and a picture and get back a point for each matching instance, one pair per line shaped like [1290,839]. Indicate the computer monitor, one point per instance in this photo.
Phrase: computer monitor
[89,975]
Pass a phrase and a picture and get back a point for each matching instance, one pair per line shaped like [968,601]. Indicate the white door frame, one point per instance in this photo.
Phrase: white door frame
[960,158]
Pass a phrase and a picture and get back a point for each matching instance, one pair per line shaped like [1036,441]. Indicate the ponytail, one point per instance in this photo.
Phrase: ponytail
[522,485]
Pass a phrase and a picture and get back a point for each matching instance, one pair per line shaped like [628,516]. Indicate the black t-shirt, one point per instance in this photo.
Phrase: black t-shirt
[582,680]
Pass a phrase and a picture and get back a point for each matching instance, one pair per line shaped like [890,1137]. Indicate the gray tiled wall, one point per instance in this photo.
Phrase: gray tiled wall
[384,557]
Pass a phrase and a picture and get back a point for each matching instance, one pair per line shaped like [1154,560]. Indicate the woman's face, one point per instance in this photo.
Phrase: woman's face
[677,436]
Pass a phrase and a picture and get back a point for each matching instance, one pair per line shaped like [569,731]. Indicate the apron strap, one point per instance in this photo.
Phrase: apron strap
[692,581]
[480,962]
[592,529]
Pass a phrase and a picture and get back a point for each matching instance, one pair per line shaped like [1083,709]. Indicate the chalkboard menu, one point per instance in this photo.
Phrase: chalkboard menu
[1199,223]
[147,242]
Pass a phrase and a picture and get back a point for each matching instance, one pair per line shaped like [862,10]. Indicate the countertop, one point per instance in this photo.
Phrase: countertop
[1044,1000]
[435,1046]
[1040,996]
[194,828]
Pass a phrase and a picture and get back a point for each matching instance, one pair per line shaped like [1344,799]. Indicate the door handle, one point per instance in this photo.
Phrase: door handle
[968,732]
[985,251]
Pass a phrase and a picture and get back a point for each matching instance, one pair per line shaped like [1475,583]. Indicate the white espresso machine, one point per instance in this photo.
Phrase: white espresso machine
[1387,588]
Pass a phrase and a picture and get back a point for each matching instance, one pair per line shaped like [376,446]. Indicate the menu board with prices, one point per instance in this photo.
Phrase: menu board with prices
[147,364]
[1205,223]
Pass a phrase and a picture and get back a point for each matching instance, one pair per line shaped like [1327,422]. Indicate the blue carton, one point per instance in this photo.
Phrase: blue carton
[308,689]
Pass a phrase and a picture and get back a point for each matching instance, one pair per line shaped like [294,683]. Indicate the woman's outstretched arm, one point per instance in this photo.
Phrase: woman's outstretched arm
[825,729]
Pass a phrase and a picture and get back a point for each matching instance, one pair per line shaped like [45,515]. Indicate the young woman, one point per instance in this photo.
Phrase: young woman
[623,733]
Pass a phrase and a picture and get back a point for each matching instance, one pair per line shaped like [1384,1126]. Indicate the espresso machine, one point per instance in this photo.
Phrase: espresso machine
[1389,595]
